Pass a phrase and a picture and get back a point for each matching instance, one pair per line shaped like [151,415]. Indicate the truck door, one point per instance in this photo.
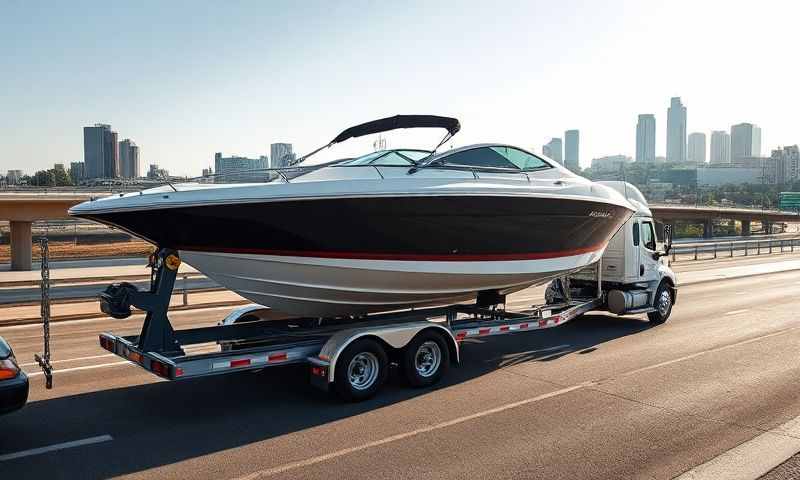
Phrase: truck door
[647,263]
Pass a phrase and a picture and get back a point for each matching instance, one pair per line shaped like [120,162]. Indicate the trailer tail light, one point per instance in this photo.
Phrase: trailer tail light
[319,371]
[8,369]
[159,368]
[134,356]
[240,363]
[107,343]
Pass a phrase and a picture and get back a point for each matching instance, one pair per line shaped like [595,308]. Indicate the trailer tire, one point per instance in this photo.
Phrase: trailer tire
[425,359]
[361,370]
[663,305]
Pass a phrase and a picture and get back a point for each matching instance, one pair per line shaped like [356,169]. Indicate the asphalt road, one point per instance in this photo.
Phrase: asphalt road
[602,397]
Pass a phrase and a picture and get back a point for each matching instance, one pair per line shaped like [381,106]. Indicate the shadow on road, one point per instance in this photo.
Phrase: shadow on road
[167,422]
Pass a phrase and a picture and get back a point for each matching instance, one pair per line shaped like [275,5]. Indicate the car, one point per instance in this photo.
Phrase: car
[13,381]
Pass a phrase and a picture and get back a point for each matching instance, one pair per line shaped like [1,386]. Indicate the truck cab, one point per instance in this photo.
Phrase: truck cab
[636,276]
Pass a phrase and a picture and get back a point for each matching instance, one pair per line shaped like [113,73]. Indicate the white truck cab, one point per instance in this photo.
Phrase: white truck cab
[636,276]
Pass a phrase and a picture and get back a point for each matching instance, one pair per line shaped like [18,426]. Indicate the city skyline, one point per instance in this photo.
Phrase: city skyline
[291,83]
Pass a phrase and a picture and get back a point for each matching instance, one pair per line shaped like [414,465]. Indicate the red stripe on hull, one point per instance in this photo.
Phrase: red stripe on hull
[455,257]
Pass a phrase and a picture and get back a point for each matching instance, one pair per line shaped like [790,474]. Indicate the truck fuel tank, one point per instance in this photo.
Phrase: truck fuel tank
[620,302]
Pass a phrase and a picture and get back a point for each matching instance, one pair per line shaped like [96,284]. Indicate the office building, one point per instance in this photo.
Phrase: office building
[696,151]
[610,164]
[281,154]
[155,173]
[239,169]
[13,177]
[553,150]
[745,141]
[128,159]
[676,131]
[572,150]
[787,164]
[77,172]
[646,138]
[720,153]
[100,151]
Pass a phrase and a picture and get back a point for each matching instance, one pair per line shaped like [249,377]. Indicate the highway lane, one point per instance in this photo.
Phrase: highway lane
[603,397]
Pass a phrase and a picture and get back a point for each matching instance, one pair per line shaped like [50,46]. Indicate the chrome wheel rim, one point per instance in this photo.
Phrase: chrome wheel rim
[363,370]
[664,303]
[428,359]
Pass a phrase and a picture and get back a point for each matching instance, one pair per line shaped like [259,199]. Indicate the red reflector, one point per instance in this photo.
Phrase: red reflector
[159,368]
[542,322]
[240,363]
[178,372]
[278,357]
[523,325]
[318,371]
[484,331]
[461,335]
[504,328]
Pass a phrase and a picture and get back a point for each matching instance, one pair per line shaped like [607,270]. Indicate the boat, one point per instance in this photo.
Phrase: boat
[391,229]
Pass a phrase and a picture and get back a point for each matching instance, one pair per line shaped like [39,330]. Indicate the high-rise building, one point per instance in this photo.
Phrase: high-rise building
[238,169]
[745,141]
[720,148]
[155,173]
[696,152]
[676,131]
[646,138]
[13,177]
[553,150]
[77,172]
[572,150]
[787,161]
[128,159]
[280,154]
[100,151]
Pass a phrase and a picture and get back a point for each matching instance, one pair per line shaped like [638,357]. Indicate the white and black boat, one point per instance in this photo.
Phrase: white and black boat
[387,230]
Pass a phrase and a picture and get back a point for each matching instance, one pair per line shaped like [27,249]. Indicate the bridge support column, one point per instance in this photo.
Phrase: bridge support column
[708,228]
[745,228]
[767,227]
[21,245]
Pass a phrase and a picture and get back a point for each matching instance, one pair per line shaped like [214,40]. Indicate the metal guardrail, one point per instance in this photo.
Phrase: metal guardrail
[733,248]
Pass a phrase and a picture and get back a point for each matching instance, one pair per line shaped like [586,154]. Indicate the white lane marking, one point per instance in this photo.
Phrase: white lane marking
[400,436]
[753,458]
[734,312]
[76,359]
[87,367]
[58,446]
[339,453]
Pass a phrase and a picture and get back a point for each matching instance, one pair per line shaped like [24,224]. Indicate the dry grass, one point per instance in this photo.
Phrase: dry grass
[62,250]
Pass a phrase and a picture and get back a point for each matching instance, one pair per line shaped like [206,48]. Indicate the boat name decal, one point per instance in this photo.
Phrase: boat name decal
[595,213]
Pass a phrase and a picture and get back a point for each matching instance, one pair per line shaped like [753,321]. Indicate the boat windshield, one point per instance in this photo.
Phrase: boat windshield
[387,157]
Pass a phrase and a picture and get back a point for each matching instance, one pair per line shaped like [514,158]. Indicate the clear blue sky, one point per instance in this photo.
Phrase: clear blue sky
[186,79]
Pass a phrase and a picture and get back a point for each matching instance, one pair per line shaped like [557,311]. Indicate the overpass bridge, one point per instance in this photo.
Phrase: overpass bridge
[704,215]
[22,208]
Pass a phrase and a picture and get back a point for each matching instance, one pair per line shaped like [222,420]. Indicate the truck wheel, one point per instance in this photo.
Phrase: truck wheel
[361,370]
[662,304]
[425,359]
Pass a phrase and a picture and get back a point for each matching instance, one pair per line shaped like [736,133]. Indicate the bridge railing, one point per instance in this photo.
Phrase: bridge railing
[733,248]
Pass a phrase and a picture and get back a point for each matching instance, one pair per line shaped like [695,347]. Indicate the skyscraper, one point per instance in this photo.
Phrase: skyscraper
[280,154]
[745,141]
[552,149]
[128,159]
[697,148]
[720,147]
[676,131]
[100,151]
[76,172]
[646,138]
[572,150]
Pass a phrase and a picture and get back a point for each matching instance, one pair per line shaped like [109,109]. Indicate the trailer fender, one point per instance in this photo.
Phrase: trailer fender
[395,336]
[243,311]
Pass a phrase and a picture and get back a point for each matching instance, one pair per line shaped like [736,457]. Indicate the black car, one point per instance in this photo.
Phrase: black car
[13,381]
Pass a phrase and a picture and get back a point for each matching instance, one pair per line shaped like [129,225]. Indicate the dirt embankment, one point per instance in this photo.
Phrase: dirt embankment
[66,250]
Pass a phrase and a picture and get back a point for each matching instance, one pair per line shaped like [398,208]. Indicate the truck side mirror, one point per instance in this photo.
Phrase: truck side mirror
[667,238]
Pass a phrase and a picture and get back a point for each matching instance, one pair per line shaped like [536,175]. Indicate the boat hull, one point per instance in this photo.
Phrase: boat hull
[352,255]
[325,287]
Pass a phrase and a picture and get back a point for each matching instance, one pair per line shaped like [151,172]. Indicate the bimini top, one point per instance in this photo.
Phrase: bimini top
[400,121]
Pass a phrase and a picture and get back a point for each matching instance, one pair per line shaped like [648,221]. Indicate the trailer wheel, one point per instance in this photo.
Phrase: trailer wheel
[663,305]
[361,370]
[425,359]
